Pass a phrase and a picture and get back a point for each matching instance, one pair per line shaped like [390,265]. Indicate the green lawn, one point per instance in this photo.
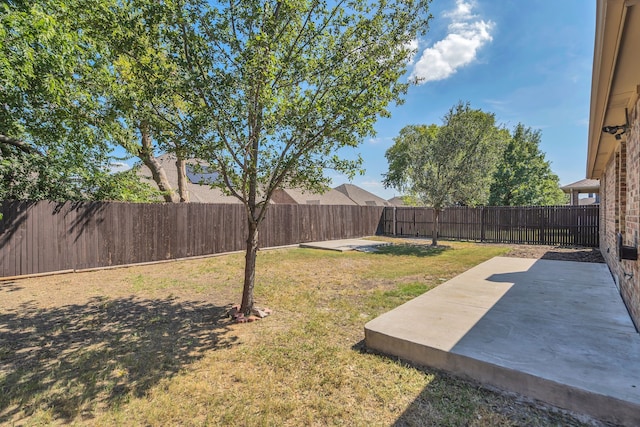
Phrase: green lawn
[151,345]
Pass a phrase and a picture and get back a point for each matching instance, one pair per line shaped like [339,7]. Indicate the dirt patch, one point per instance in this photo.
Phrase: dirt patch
[558,253]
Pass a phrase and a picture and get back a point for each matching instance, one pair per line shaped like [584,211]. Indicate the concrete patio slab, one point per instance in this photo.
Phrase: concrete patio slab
[344,245]
[555,331]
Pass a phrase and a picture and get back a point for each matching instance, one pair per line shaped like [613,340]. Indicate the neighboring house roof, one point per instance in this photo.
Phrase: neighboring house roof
[615,77]
[301,197]
[396,201]
[361,196]
[198,193]
[203,193]
[583,186]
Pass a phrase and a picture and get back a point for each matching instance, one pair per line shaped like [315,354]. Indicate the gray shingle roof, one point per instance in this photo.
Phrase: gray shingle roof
[361,196]
[584,185]
[294,195]
[197,193]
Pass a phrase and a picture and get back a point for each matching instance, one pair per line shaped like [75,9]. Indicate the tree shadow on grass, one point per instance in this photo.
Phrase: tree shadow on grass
[419,251]
[455,401]
[9,287]
[74,359]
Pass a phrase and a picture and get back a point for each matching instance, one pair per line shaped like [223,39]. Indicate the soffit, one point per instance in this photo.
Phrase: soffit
[616,76]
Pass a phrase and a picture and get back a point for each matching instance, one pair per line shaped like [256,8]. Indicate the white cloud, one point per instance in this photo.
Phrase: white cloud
[376,141]
[413,47]
[462,12]
[499,105]
[467,33]
[115,167]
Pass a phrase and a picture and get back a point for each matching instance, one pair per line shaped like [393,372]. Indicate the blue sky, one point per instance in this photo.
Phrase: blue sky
[526,61]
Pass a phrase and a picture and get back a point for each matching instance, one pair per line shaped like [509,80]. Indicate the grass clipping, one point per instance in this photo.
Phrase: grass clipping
[153,345]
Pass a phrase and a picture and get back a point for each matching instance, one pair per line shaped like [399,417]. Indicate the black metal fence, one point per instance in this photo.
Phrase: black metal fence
[537,225]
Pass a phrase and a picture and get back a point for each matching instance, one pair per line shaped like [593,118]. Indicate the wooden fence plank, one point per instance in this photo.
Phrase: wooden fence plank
[38,237]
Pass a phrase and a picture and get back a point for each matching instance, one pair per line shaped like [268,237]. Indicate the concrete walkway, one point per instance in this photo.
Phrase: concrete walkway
[555,331]
[344,245]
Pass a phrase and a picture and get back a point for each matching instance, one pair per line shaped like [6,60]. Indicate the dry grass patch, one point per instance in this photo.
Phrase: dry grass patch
[151,345]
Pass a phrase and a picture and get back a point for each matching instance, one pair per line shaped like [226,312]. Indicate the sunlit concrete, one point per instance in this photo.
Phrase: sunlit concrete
[555,331]
[344,245]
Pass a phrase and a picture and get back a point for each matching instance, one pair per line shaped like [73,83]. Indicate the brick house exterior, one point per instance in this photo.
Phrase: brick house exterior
[614,140]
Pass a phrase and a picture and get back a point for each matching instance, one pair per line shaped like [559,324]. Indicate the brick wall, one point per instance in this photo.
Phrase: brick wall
[620,212]
[608,214]
[622,188]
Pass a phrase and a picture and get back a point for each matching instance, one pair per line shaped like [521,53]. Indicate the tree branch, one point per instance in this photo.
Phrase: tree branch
[19,144]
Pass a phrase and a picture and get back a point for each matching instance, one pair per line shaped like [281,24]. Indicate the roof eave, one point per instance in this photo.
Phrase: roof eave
[612,91]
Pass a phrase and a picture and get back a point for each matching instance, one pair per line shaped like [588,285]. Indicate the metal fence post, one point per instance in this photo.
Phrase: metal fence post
[395,222]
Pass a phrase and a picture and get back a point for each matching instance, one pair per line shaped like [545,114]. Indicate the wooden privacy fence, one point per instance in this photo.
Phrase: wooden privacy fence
[39,237]
[538,225]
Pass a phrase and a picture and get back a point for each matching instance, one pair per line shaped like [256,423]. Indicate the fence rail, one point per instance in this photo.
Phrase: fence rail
[38,237]
[537,225]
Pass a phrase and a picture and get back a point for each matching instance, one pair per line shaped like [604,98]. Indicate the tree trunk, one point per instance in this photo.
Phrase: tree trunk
[157,171]
[181,167]
[434,231]
[254,216]
[250,268]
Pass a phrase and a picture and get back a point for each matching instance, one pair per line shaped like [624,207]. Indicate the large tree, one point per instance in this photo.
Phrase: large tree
[447,165]
[51,146]
[274,88]
[523,176]
[265,91]
[135,82]
[79,78]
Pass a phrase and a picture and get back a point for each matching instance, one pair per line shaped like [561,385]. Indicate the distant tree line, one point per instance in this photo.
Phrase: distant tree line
[470,160]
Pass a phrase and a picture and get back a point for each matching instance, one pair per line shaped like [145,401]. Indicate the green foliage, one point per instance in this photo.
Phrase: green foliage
[126,187]
[447,165]
[54,141]
[275,88]
[469,160]
[34,176]
[266,92]
[136,76]
[279,86]
[410,200]
[523,176]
